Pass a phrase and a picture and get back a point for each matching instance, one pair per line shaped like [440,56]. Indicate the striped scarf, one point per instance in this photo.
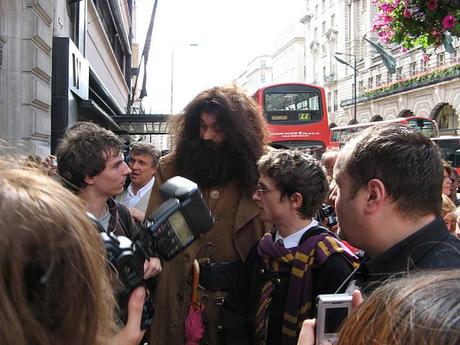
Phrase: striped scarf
[313,252]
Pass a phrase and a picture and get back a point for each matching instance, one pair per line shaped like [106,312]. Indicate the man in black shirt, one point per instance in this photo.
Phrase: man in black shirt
[388,203]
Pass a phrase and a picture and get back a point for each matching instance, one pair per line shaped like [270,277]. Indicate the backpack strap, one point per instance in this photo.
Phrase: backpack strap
[125,218]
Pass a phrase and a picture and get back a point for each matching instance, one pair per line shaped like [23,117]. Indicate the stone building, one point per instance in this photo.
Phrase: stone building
[61,62]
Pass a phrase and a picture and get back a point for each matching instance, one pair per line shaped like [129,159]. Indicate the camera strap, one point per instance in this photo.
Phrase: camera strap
[125,217]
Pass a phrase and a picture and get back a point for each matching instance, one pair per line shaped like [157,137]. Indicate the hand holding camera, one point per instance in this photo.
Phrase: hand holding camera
[172,227]
[322,330]
[331,311]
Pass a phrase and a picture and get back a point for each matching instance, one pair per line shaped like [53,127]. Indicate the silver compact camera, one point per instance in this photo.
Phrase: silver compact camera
[331,311]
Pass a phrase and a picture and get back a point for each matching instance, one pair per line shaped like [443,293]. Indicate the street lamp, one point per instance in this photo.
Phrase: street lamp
[355,72]
[172,74]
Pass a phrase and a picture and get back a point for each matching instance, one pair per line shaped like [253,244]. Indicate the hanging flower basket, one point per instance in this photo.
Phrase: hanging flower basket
[417,23]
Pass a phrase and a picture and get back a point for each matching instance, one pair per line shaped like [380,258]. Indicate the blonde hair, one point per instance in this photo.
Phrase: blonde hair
[448,213]
[54,287]
[448,205]
[416,310]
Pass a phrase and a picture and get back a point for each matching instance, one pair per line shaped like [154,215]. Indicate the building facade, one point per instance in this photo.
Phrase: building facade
[423,83]
[289,57]
[61,62]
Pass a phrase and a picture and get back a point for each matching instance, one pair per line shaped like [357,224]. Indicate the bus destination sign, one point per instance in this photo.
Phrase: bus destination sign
[282,117]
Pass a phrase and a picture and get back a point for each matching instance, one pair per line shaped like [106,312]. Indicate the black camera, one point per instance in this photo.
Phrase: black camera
[327,212]
[179,220]
[172,227]
[127,259]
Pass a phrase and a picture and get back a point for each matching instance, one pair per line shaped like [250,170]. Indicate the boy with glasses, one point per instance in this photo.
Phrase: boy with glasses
[277,287]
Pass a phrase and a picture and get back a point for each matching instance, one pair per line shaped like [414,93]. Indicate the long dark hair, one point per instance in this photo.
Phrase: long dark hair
[241,121]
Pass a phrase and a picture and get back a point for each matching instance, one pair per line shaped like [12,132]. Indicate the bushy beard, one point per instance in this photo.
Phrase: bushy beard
[207,163]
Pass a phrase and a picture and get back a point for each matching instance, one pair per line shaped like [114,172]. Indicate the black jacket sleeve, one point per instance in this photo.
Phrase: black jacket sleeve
[327,278]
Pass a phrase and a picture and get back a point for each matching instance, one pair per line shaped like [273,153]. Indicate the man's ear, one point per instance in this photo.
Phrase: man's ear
[376,195]
[296,200]
[89,180]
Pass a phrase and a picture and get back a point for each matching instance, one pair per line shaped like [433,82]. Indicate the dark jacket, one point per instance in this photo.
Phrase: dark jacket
[431,247]
[121,222]
[242,301]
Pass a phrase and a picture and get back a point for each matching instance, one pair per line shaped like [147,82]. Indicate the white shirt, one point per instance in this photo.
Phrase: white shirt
[293,240]
[131,198]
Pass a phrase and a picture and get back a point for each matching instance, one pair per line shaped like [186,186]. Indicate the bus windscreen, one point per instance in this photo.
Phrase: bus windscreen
[292,107]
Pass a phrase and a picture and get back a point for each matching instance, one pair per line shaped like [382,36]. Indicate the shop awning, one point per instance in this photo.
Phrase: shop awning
[142,124]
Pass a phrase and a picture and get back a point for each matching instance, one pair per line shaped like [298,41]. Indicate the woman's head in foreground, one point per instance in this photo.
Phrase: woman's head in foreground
[53,281]
[421,309]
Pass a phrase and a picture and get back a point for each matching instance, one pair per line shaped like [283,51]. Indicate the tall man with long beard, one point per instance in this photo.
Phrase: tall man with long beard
[219,138]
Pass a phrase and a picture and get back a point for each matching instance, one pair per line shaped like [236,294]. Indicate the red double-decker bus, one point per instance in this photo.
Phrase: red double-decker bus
[296,115]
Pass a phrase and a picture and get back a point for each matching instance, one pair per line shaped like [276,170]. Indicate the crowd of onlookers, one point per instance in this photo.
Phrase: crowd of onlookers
[389,236]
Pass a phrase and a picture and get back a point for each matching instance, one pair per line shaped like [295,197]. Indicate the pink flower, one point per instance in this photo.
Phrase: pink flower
[449,22]
[407,13]
[387,8]
[425,57]
[386,36]
[432,5]
[404,50]
[380,21]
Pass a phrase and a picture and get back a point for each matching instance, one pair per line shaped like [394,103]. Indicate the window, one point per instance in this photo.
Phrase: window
[378,79]
[361,86]
[389,77]
[333,21]
[423,65]
[324,73]
[262,63]
[399,73]
[323,49]
[316,10]
[336,100]
[370,82]
[315,34]
[105,13]
[323,5]
[329,101]
[262,77]
[323,27]
[413,68]
[441,59]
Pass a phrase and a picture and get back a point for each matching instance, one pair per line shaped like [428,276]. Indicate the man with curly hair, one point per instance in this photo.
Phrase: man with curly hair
[90,162]
[219,138]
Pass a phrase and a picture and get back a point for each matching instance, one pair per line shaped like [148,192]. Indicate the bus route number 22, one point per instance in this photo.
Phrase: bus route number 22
[304,117]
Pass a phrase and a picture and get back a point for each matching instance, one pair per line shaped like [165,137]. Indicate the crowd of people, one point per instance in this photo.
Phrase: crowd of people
[254,277]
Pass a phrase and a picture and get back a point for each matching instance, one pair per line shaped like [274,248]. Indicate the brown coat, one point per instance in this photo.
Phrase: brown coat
[236,229]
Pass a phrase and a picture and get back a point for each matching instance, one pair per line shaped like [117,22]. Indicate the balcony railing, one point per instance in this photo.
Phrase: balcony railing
[422,79]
